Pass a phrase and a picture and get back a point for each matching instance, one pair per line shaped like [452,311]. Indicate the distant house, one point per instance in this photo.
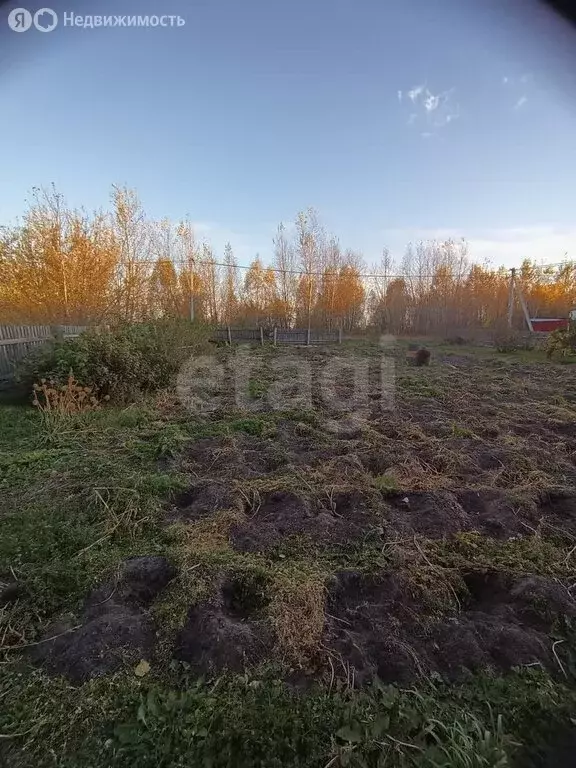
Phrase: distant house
[548,324]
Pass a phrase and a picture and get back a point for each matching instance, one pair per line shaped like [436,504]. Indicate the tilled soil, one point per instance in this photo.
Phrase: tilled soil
[114,627]
[339,517]
[470,446]
[227,631]
[382,625]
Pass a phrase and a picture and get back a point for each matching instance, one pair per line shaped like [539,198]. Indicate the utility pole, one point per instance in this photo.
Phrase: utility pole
[518,289]
[511,296]
[309,308]
[191,294]
[525,310]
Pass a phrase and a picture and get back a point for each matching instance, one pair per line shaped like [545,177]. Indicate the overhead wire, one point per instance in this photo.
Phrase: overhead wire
[323,273]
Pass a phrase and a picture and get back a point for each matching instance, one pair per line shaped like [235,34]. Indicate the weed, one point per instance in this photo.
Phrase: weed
[459,431]
[60,401]
[467,743]
[253,426]
[385,483]
[166,441]
[525,554]
[257,389]
[562,342]
[59,405]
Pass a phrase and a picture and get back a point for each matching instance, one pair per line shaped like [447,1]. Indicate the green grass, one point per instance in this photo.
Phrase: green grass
[257,388]
[72,509]
[256,720]
[385,483]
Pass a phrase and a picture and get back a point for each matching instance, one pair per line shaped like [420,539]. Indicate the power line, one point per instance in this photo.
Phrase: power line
[364,276]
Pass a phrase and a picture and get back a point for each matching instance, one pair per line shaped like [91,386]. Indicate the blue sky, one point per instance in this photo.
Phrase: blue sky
[396,120]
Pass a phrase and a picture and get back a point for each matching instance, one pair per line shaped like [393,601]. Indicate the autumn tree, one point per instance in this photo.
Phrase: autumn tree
[62,265]
[58,265]
[307,247]
[376,298]
[348,307]
[229,298]
[209,283]
[284,261]
[192,303]
[398,306]
[134,236]
[254,292]
[164,297]
[328,283]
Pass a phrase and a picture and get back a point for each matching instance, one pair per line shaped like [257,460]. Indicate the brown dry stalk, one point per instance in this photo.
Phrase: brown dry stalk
[297,612]
[212,533]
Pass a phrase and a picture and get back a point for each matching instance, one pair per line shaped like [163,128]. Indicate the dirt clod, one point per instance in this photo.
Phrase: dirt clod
[11,591]
[226,631]
[100,646]
[336,517]
[558,508]
[367,624]
[383,625]
[491,512]
[203,499]
[138,581]
[114,629]
[431,514]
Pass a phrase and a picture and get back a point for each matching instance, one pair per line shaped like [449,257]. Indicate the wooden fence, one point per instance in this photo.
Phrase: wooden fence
[306,337]
[278,336]
[17,341]
[239,335]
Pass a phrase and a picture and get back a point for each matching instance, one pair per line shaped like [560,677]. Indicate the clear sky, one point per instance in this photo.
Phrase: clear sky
[395,119]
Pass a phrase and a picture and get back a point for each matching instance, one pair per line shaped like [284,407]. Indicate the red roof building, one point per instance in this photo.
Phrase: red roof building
[548,324]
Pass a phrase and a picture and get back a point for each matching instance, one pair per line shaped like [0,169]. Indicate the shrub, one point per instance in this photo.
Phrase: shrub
[512,341]
[119,363]
[561,342]
[506,342]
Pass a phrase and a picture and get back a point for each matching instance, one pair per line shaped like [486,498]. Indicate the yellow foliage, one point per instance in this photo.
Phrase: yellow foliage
[64,266]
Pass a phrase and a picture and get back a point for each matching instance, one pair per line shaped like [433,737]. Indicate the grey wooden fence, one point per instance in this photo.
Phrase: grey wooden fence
[239,335]
[279,336]
[306,337]
[17,341]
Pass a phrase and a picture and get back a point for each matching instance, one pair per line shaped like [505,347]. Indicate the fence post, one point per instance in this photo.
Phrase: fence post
[261,336]
[308,337]
[275,330]
[229,336]
[340,335]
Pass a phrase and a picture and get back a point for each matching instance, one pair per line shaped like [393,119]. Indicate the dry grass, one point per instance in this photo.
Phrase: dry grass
[415,474]
[61,407]
[207,536]
[59,401]
[297,615]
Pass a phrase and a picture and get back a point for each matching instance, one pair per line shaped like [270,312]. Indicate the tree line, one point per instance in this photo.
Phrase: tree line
[61,265]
